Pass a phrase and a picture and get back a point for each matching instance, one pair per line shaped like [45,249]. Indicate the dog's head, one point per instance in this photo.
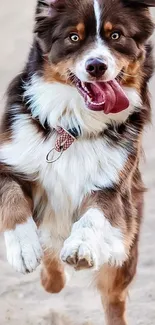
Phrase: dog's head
[97,46]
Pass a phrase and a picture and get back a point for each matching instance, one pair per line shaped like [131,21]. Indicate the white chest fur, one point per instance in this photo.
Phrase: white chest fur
[86,166]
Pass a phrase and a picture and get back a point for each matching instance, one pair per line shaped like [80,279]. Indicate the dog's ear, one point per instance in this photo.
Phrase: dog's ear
[48,8]
[46,18]
[51,4]
[146,3]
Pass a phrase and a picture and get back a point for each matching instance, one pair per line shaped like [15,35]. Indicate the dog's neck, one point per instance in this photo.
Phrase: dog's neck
[60,105]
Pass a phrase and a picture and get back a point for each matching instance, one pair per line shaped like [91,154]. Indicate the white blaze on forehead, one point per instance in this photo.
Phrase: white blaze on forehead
[97,10]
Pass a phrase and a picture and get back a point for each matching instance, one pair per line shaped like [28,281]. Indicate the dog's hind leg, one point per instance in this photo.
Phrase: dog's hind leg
[53,276]
[113,284]
[115,309]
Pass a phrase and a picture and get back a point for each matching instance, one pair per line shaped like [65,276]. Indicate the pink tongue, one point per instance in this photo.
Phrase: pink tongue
[113,96]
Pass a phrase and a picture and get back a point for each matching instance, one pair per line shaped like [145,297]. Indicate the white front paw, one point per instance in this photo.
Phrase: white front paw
[23,248]
[78,253]
[84,253]
[94,242]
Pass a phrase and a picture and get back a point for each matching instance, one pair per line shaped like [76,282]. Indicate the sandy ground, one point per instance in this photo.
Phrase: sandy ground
[22,299]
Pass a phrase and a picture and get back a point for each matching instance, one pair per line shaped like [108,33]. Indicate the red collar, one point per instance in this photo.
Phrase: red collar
[64,140]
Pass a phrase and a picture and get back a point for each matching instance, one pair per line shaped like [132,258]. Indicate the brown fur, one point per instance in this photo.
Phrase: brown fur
[113,284]
[133,75]
[52,275]
[122,204]
[15,206]
[108,27]
[81,30]
[52,72]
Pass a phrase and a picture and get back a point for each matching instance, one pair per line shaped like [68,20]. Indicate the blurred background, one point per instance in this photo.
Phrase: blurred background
[22,299]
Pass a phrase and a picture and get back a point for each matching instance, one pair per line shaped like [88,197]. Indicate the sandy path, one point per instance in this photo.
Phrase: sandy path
[22,300]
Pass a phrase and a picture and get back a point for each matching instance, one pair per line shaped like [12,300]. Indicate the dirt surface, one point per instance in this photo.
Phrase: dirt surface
[22,299]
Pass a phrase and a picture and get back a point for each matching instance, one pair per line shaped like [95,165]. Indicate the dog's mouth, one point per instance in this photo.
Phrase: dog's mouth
[107,96]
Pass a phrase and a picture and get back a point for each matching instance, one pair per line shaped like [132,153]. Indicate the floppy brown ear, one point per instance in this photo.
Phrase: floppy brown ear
[147,3]
[45,21]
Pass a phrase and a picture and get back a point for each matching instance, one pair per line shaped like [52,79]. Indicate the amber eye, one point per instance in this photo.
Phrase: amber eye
[74,37]
[115,36]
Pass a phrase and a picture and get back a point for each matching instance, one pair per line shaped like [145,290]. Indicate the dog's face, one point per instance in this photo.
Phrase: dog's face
[95,45]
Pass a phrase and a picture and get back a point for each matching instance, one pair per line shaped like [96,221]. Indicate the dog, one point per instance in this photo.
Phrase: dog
[71,192]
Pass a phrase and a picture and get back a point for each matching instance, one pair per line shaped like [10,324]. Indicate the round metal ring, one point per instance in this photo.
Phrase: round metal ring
[53,160]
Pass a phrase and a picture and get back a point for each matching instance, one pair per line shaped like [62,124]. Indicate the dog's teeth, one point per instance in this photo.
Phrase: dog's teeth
[97,104]
[88,99]
[84,88]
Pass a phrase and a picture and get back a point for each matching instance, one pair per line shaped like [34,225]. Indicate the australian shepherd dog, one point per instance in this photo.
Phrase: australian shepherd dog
[71,193]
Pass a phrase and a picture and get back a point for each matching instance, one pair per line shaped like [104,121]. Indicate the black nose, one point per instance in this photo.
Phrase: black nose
[96,67]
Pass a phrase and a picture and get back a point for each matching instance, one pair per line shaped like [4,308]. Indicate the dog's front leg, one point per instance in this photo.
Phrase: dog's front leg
[23,248]
[94,242]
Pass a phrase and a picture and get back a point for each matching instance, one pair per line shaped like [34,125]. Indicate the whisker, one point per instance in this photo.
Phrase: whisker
[129,75]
